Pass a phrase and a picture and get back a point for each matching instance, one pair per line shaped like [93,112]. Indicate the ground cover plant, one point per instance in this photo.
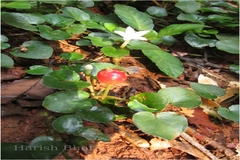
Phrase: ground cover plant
[143,29]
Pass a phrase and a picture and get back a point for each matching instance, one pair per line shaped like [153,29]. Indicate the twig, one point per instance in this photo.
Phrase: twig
[197,145]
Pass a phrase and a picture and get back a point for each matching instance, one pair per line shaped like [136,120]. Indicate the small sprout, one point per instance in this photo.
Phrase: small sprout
[110,77]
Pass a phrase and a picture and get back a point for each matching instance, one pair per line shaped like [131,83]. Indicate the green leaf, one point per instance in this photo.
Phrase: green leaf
[111,26]
[180,97]
[83,42]
[46,147]
[95,114]
[151,100]
[94,134]
[138,106]
[157,11]
[4,45]
[198,42]
[167,63]
[220,18]
[86,3]
[191,17]
[213,9]
[16,5]
[99,41]
[78,141]
[14,150]
[141,45]
[64,79]
[49,34]
[175,29]
[188,6]
[167,125]
[94,25]
[134,18]
[207,91]
[167,40]
[6,61]
[72,56]
[76,29]
[231,113]
[228,43]
[110,51]
[39,70]
[75,13]
[58,20]
[22,20]
[234,68]
[67,102]
[69,124]
[35,50]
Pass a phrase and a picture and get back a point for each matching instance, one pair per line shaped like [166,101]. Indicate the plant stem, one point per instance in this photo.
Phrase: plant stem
[106,91]
[124,44]
[91,86]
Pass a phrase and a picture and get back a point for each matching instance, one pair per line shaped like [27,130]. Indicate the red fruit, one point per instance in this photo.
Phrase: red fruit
[111,76]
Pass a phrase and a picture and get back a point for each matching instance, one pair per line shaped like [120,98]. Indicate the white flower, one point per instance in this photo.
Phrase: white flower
[130,34]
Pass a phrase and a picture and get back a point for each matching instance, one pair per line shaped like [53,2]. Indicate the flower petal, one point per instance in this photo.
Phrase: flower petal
[130,30]
[121,33]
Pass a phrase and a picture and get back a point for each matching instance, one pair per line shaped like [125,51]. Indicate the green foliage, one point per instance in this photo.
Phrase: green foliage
[207,91]
[6,61]
[33,50]
[134,18]
[199,23]
[231,113]
[39,70]
[167,125]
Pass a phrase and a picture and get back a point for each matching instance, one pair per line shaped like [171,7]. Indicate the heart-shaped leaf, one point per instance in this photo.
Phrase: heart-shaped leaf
[95,114]
[196,18]
[50,34]
[39,70]
[188,6]
[46,147]
[75,13]
[68,124]
[137,106]
[33,50]
[110,51]
[94,134]
[167,125]
[167,63]
[231,113]
[157,11]
[68,101]
[153,101]
[207,91]
[22,20]
[134,18]
[6,61]
[64,79]
[180,97]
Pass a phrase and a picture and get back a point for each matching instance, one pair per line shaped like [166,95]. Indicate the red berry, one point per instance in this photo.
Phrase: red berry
[111,76]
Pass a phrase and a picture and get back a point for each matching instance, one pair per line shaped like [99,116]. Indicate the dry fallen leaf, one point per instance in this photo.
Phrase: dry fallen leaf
[206,80]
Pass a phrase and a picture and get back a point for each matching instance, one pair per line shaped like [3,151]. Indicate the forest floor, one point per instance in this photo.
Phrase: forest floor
[22,112]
